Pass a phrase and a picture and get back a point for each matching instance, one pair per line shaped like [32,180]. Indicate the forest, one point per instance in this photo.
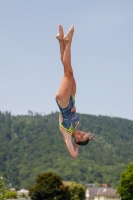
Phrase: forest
[32,144]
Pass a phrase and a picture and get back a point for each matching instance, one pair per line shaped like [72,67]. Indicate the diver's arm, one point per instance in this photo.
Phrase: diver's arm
[60,118]
[73,150]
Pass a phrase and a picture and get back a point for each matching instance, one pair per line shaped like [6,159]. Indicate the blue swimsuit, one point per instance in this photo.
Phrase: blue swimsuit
[70,119]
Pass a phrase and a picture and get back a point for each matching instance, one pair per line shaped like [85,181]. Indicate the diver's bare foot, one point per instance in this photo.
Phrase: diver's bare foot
[68,36]
[60,35]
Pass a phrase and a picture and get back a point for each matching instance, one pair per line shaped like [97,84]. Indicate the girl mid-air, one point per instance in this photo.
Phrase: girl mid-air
[68,119]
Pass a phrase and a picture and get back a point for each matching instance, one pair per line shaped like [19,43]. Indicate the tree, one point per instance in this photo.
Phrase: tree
[77,191]
[49,186]
[125,188]
[19,132]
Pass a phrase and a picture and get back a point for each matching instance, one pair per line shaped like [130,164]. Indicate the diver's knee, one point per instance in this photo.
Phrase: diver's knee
[57,96]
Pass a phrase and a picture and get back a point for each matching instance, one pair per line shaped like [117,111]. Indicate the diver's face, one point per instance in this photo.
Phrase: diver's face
[80,136]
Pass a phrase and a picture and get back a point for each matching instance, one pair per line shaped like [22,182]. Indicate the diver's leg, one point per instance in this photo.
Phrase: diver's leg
[74,87]
[67,86]
[60,36]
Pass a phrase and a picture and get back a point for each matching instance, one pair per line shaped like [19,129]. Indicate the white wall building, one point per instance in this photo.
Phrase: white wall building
[23,191]
[101,193]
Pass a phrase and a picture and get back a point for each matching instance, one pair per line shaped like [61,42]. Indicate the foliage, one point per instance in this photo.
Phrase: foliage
[10,194]
[32,144]
[49,186]
[2,189]
[77,191]
[23,196]
[4,193]
[125,188]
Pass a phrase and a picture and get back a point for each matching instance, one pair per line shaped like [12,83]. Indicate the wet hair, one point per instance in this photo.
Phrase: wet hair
[83,142]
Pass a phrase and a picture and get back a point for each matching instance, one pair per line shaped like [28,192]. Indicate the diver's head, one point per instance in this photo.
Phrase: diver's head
[82,138]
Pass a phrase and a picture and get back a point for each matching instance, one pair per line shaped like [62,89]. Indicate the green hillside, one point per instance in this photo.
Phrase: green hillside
[30,145]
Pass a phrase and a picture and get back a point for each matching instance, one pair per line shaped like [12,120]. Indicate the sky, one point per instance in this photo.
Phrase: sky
[102,55]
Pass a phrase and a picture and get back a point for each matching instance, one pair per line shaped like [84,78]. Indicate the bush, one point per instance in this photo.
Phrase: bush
[77,191]
[10,194]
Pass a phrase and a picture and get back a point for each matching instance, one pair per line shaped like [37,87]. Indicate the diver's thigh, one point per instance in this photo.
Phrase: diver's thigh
[65,91]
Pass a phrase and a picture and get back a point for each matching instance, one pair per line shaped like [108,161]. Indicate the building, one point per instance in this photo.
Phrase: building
[23,191]
[101,193]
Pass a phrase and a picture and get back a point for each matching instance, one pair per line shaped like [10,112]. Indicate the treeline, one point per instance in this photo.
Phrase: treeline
[30,145]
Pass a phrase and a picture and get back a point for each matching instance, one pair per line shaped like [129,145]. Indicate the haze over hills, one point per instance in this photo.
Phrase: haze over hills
[30,145]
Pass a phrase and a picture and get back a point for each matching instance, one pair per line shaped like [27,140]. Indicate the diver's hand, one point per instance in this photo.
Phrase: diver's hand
[73,109]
